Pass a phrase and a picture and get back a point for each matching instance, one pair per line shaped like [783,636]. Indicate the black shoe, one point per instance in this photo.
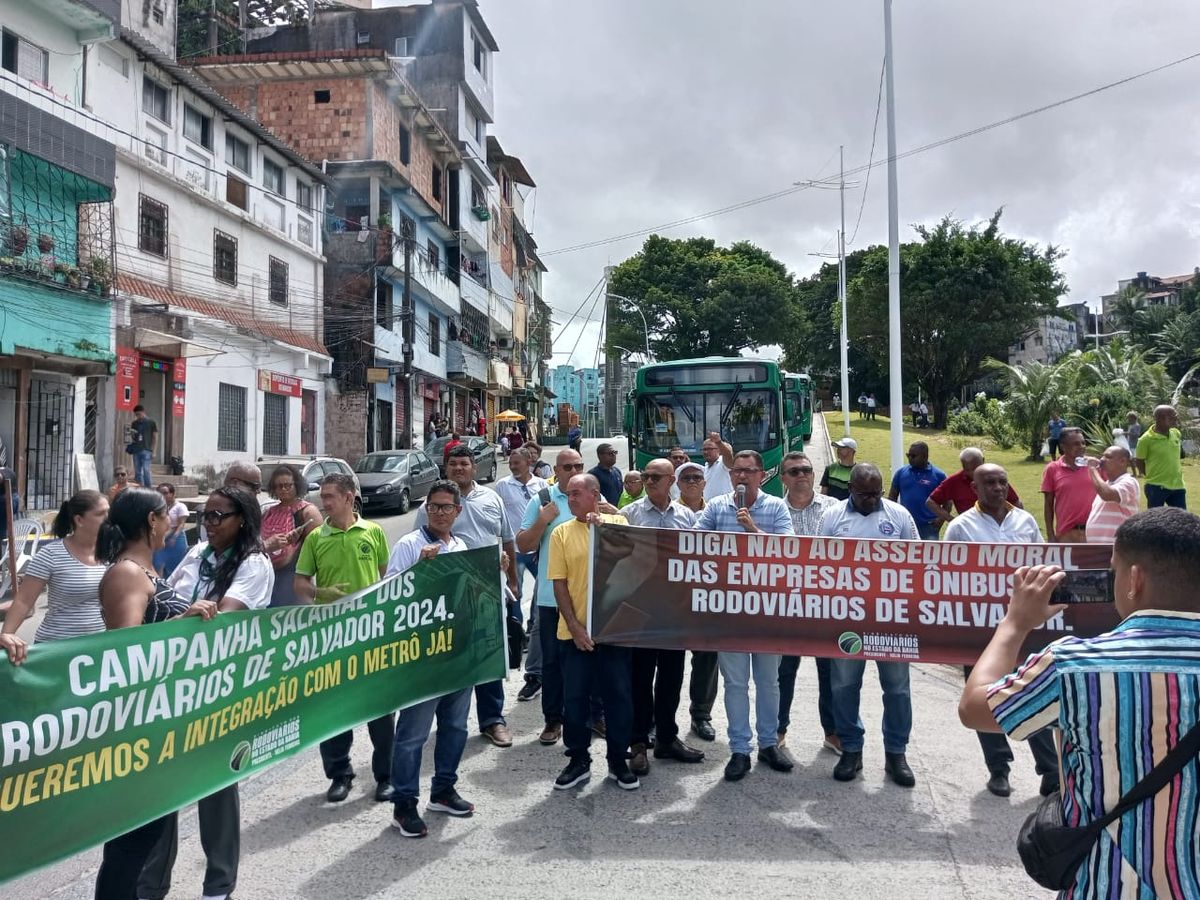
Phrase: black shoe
[408,821]
[848,765]
[998,784]
[1050,784]
[623,776]
[897,767]
[774,758]
[703,729]
[578,771]
[639,764]
[530,689]
[450,802]
[737,767]
[599,729]
[678,751]
[339,788]
[383,791]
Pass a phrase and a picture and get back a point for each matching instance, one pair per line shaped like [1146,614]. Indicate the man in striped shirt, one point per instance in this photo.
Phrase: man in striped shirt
[1121,699]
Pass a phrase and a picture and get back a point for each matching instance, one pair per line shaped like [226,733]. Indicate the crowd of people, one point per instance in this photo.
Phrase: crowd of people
[118,565]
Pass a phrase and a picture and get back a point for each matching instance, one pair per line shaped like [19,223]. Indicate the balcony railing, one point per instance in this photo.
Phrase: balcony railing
[46,246]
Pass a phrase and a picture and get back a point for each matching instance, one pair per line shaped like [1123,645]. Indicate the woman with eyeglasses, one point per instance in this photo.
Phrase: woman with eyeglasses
[173,551]
[231,570]
[69,572]
[121,481]
[284,527]
[132,593]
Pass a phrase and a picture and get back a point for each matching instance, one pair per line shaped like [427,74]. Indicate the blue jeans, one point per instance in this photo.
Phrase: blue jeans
[930,531]
[1157,495]
[489,704]
[141,469]
[412,731]
[608,671]
[788,666]
[846,680]
[735,672]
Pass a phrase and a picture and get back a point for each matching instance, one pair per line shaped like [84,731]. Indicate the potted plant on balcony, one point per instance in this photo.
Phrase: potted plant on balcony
[45,243]
[481,213]
[68,274]
[18,239]
[101,275]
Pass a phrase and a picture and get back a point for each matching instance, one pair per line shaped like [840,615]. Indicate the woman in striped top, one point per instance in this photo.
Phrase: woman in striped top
[1122,700]
[69,572]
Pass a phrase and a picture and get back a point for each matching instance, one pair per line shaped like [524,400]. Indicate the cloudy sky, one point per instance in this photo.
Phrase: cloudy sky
[634,113]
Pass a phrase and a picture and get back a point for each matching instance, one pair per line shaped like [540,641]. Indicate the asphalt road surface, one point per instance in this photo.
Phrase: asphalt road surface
[685,833]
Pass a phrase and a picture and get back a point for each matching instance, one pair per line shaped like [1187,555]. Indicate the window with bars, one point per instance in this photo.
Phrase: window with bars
[231,417]
[279,282]
[435,335]
[152,226]
[275,424]
[224,257]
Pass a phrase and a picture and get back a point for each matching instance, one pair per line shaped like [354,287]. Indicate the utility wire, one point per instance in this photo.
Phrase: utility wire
[871,156]
[924,148]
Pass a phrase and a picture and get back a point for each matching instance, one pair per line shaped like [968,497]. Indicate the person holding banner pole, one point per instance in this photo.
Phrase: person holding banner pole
[691,486]
[482,522]
[443,506]
[658,674]
[748,509]
[806,507]
[132,593]
[588,667]
[994,520]
[867,514]
[231,569]
[345,555]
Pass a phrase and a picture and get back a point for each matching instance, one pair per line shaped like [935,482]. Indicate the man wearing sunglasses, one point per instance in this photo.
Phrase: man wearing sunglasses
[806,507]
[868,515]
[912,485]
[747,508]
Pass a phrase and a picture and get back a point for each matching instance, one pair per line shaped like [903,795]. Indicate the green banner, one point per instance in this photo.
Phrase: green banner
[101,734]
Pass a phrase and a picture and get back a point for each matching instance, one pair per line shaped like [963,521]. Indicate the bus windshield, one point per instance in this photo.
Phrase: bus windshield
[685,419]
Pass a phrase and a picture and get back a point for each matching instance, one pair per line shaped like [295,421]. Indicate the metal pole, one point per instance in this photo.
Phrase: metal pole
[845,357]
[408,321]
[896,400]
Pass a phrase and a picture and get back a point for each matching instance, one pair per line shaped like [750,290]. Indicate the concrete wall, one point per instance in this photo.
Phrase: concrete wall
[345,432]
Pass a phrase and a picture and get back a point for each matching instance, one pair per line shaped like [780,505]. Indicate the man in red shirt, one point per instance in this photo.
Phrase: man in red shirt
[956,494]
[454,441]
[1068,491]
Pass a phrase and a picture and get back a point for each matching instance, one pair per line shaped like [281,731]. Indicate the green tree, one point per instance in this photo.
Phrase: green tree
[1034,391]
[700,299]
[967,294]
[192,33]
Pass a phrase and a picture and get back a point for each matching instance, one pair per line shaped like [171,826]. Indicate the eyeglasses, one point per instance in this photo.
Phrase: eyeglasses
[654,476]
[121,474]
[252,485]
[441,507]
[282,486]
[692,479]
[215,516]
[798,470]
[571,467]
[743,473]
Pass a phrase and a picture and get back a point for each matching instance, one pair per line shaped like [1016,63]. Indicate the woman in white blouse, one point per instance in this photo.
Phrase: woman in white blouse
[231,569]
[69,572]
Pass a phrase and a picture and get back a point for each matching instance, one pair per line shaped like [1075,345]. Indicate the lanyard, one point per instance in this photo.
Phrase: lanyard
[204,556]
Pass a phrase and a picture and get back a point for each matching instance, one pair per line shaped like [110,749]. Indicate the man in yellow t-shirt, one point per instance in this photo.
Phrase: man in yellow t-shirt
[1158,455]
[588,667]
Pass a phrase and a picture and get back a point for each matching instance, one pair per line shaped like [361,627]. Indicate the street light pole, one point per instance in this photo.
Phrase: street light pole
[633,303]
[896,401]
[845,336]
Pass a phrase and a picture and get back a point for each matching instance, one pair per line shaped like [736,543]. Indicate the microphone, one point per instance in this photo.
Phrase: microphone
[740,493]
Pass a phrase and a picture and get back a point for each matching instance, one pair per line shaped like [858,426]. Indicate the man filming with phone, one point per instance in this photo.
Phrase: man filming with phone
[1124,700]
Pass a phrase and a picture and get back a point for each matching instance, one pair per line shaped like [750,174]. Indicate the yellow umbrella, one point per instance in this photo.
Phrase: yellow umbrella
[509,415]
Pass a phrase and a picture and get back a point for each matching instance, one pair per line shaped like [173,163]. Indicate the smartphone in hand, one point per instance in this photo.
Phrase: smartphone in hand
[1085,586]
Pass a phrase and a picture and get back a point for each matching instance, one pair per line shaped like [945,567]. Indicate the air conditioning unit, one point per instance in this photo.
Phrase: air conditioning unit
[504,343]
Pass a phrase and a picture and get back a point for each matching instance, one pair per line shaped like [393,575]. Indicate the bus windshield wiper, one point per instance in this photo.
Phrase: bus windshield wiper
[680,404]
[732,400]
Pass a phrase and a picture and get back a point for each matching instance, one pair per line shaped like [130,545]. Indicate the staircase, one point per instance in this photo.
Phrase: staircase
[185,488]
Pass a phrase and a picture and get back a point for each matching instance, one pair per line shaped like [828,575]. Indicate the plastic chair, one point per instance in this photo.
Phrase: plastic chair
[27,535]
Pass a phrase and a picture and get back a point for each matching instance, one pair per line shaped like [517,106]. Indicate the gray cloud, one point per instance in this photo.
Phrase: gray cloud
[631,113]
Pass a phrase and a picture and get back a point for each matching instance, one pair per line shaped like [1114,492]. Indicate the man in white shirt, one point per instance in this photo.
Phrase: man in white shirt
[1116,495]
[868,515]
[658,674]
[994,520]
[516,490]
[413,724]
[718,460]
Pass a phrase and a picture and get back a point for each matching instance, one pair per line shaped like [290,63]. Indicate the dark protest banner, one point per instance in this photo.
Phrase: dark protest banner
[101,734]
[915,601]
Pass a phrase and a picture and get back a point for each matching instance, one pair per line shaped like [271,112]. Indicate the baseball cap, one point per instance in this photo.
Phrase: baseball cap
[686,466]
[847,442]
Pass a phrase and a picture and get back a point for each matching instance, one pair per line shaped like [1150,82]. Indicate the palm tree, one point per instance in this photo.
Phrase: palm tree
[1126,309]
[1177,344]
[1034,391]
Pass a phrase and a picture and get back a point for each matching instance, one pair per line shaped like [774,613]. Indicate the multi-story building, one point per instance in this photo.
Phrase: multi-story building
[57,177]
[1052,339]
[219,325]
[1152,290]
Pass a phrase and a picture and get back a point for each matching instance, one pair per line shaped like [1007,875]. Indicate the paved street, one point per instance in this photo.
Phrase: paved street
[685,833]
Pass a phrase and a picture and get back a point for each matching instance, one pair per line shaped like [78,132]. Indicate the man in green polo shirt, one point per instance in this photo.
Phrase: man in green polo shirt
[1159,455]
[345,555]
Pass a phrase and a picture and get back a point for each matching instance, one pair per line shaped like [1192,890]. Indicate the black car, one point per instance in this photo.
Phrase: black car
[393,479]
[484,453]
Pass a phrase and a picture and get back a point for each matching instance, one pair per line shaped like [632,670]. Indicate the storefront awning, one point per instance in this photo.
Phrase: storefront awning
[162,344]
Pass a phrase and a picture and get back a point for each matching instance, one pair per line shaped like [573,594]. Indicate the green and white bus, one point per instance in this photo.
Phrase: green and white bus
[798,389]
[679,403]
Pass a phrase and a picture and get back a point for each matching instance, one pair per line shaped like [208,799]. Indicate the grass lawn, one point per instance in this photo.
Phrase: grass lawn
[874,445]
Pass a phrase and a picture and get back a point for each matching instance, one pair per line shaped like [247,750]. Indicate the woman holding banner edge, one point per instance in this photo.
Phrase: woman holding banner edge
[132,594]
[232,570]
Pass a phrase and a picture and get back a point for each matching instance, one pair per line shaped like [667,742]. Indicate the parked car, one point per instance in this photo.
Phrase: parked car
[484,453]
[314,468]
[393,479]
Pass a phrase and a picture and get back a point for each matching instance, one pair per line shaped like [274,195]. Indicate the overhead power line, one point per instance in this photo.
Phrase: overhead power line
[924,148]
